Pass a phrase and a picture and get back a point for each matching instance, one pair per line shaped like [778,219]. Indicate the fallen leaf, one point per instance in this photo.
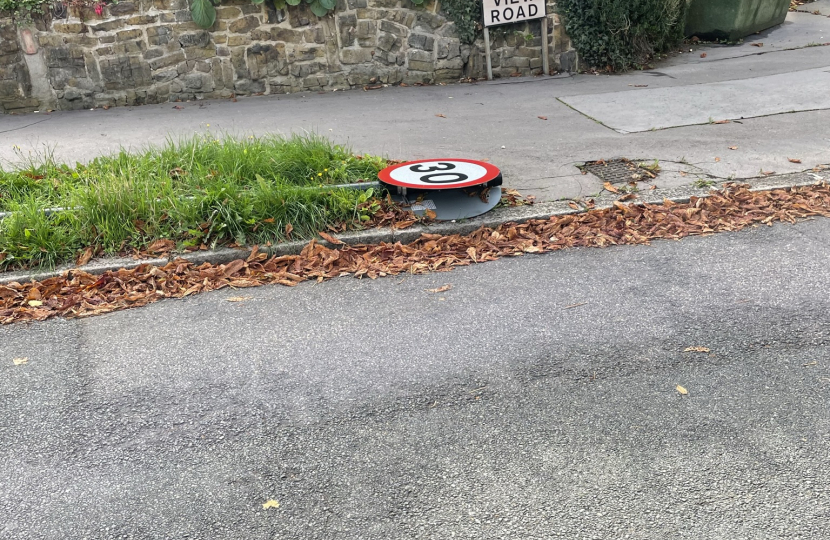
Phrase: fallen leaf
[288,228]
[85,257]
[733,147]
[696,349]
[442,288]
[268,220]
[430,213]
[683,391]
[653,187]
[573,205]
[610,187]
[239,298]
[703,55]
[270,503]
[542,117]
[331,239]
[683,173]
[178,107]
[757,44]
[161,246]
[35,303]
[717,159]
[794,160]
[723,122]
[440,115]
[20,361]
[628,197]
[767,173]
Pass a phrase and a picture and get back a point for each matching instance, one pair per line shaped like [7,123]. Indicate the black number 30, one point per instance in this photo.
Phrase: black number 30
[438,177]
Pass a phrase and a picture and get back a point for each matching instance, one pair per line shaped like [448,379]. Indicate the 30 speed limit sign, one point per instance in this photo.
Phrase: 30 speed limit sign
[441,174]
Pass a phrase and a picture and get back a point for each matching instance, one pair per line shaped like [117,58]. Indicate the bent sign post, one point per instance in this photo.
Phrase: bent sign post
[509,11]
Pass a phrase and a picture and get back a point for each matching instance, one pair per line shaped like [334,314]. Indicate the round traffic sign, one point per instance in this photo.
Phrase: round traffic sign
[450,173]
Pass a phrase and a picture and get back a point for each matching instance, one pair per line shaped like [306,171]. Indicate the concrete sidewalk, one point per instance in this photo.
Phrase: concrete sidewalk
[536,130]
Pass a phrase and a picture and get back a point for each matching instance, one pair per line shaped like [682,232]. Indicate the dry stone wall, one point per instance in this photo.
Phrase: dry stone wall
[150,51]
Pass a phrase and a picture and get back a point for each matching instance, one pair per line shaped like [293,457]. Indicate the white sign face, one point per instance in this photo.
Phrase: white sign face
[510,11]
[439,174]
[432,174]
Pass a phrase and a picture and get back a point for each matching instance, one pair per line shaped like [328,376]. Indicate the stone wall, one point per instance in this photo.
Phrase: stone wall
[150,51]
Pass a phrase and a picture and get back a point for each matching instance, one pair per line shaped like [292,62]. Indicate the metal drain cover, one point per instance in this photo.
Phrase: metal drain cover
[619,171]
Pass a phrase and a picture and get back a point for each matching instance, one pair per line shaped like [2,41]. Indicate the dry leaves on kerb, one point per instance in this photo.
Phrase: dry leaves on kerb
[81,294]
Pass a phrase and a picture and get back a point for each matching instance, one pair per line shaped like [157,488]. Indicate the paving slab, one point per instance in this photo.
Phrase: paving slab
[660,108]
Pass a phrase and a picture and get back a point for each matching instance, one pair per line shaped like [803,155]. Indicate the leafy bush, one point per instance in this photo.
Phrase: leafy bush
[619,34]
[466,14]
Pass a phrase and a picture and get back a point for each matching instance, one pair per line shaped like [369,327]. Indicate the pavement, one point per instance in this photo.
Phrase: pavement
[775,96]
[535,399]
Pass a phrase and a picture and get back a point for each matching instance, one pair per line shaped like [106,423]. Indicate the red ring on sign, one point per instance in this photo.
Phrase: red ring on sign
[492,173]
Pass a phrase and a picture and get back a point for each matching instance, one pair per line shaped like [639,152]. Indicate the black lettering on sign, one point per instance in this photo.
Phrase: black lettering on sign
[440,167]
[494,14]
[508,13]
[443,178]
[532,10]
[438,177]
[520,12]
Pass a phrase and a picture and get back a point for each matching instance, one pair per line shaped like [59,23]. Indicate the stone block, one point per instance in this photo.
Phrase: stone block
[228,12]
[142,19]
[165,75]
[105,40]
[249,87]
[107,26]
[200,38]
[158,35]
[261,34]
[347,25]
[366,29]
[203,66]
[151,54]
[167,61]
[121,8]
[236,41]
[355,56]
[421,41]
[286,35]
[244,25]
[393,28]
[126,35]
[69,28]
[314,35]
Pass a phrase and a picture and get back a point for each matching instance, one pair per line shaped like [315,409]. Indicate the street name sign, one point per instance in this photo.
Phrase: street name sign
[509,11]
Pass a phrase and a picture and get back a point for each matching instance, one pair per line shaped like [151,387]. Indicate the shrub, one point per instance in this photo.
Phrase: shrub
[618,34]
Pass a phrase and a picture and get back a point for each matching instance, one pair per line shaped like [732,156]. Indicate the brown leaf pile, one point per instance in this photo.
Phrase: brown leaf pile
[80,294]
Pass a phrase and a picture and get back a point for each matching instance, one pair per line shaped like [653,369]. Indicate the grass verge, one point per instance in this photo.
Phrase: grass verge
[194,193]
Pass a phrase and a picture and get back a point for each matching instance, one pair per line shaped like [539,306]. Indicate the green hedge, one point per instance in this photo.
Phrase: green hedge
[616,35]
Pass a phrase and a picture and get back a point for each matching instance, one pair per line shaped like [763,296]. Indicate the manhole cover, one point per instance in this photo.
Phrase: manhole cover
[621,171]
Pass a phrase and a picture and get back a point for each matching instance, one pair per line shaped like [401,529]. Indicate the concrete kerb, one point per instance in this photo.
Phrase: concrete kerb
[492,219]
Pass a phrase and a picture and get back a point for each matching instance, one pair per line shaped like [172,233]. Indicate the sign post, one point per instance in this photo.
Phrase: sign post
[498,12]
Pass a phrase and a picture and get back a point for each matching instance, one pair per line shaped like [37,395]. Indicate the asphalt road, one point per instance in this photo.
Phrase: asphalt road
[377,410]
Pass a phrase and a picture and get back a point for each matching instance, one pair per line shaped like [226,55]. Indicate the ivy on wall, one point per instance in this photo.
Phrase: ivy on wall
[619,34]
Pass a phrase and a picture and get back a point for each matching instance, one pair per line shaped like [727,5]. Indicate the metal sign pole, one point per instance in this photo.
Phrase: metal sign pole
[487,53]
[545,61]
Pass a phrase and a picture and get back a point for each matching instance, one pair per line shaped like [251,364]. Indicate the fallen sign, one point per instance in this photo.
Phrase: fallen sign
[444,189]
[497,12]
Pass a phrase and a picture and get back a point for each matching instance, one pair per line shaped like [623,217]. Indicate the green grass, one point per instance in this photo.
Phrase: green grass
[202,190]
